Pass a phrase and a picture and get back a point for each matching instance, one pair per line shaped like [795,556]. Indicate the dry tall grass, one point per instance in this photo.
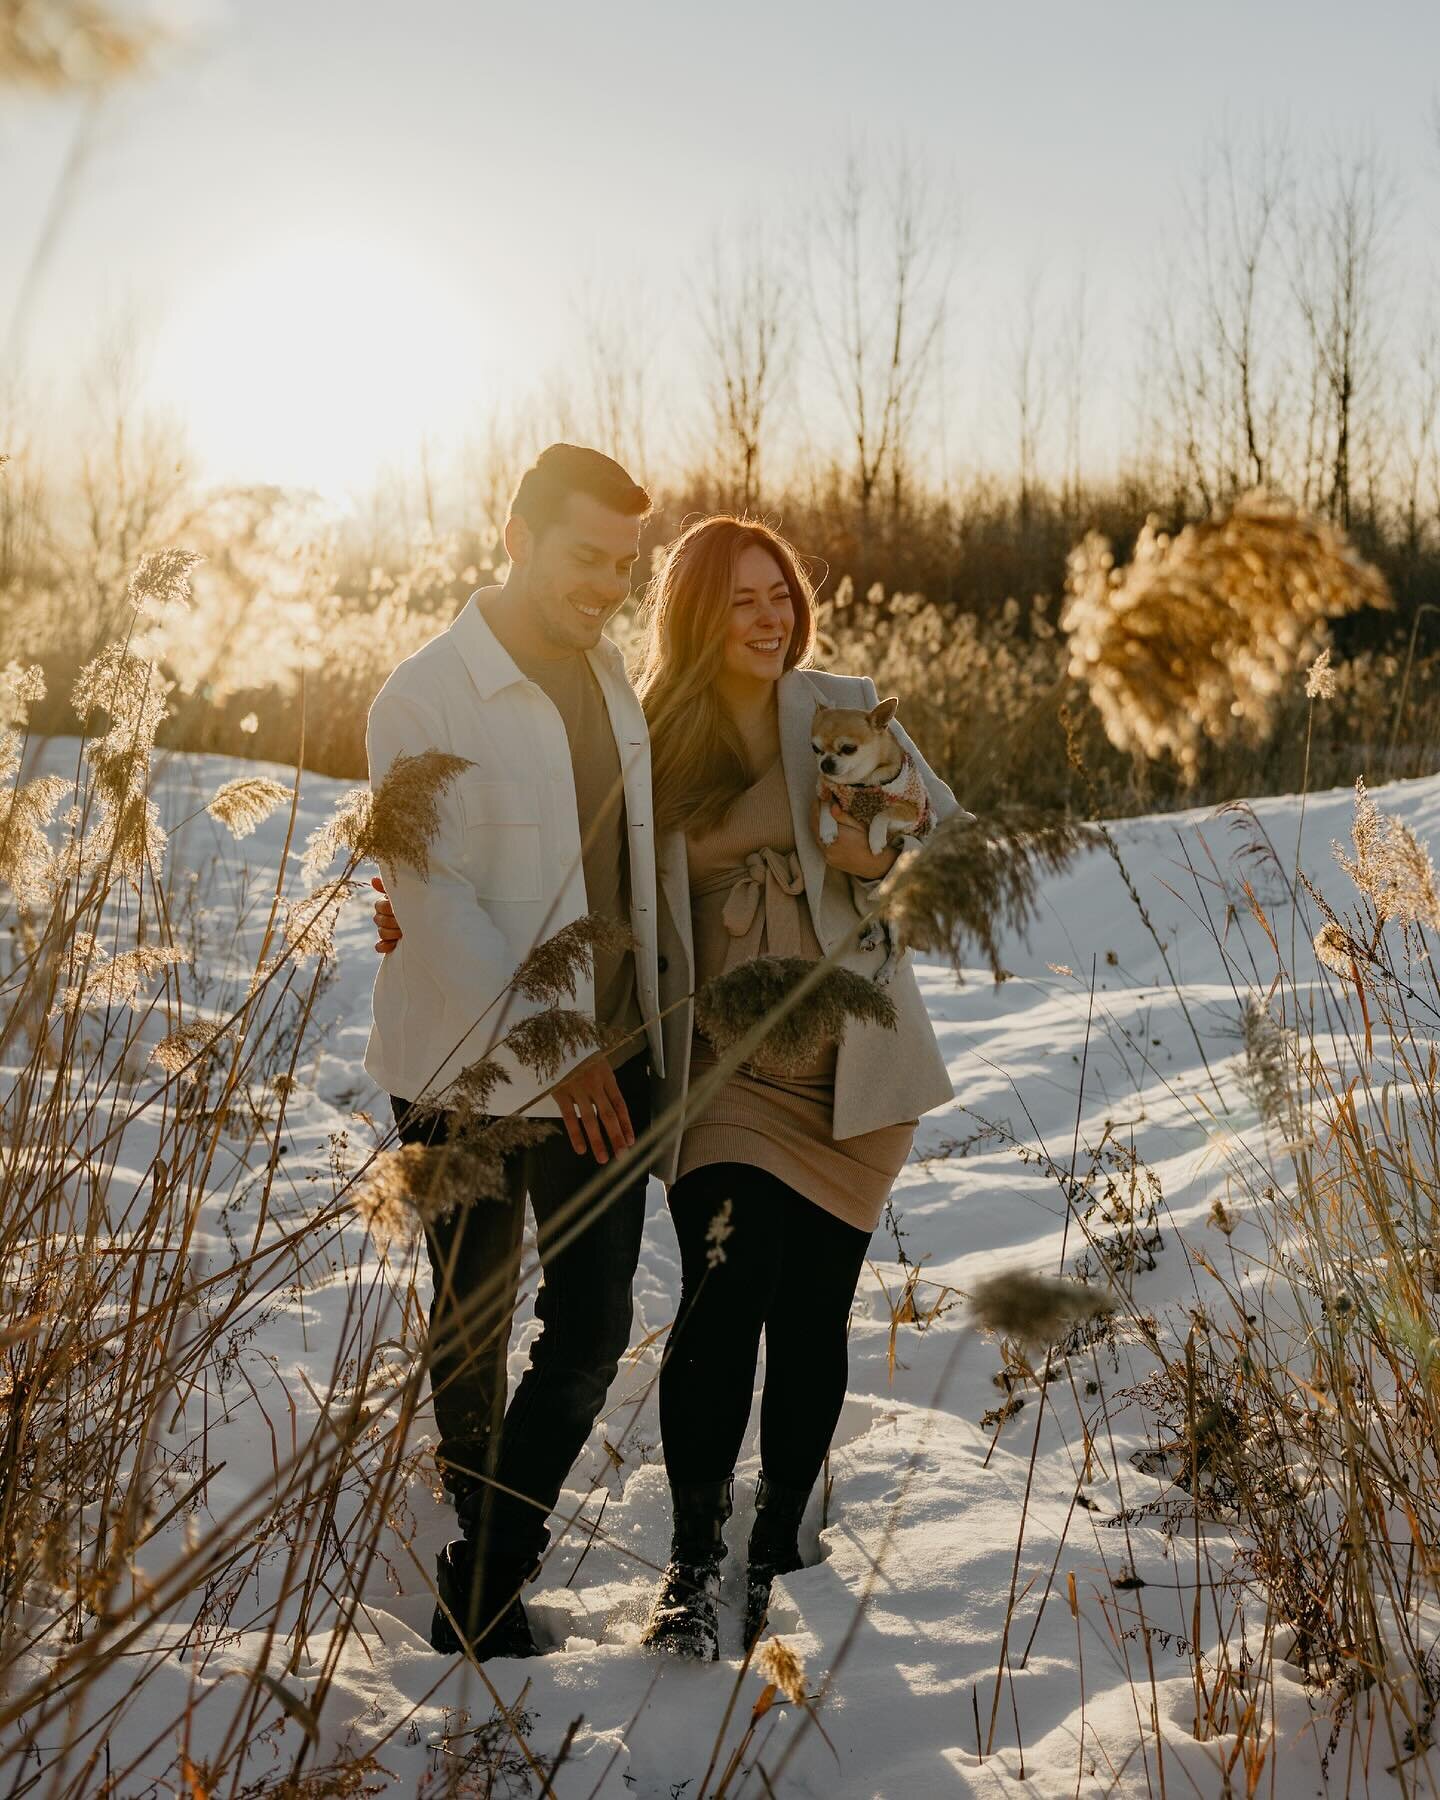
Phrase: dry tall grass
[153,1056]
[146,1104]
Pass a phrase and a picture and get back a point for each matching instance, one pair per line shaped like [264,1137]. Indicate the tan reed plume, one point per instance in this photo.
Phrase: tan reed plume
[729,1005]
[1391,867]
[161,581]
[778,1664]
[392,824]
[108,982]
[1036,1309]
[63,45]
[27,863]
[973,879]
[1196,638]
[243,804]
[180,1048]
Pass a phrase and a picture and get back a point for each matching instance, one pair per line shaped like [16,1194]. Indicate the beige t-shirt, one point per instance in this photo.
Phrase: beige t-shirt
[570,684]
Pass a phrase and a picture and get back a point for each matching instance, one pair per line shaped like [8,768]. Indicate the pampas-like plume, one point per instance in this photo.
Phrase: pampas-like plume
[425,1183]
[716,1232]
[1339,952]
[550,972]
[243,804]
[26,863]
[21,686]
[778,1664]
[108,982]
[490,1143]
[731,1005]
[308,926]
[550,1039]
[131,835]
[161,581]
[1320,680]
[1391,867]
[132,692]
[393,824]
[412,1182]
[67,45]
[973,879]
[182,1047]
[1035,1309]
[468,1097]
[1198,636]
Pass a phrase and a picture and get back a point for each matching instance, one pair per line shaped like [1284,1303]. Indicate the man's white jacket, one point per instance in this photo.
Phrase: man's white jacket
[505,869]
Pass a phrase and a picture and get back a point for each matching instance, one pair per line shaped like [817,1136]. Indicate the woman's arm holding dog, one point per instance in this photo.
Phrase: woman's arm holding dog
[849,851]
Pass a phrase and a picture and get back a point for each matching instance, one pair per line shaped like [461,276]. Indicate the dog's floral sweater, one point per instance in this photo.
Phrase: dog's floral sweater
[862,803]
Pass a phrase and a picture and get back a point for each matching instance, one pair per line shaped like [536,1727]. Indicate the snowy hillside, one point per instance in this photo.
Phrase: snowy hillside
[901,1619]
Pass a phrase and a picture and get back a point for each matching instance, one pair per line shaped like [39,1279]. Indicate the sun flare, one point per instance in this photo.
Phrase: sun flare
[321,363]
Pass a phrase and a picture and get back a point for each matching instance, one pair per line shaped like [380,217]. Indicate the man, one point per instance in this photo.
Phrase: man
[527,688]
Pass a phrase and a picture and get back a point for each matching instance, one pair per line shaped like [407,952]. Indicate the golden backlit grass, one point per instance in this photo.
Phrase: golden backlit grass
[1319,1426]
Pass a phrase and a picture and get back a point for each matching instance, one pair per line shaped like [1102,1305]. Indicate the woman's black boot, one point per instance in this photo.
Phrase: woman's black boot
[685,1617]
[774,1547]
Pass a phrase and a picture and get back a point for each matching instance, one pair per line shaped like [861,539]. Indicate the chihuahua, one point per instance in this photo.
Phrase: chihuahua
[868,771]
[869,774]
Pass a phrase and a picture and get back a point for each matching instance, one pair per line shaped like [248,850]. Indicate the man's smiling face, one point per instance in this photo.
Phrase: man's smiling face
[577,572]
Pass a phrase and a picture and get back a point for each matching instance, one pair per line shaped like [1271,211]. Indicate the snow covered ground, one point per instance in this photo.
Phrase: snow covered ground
[926,1502]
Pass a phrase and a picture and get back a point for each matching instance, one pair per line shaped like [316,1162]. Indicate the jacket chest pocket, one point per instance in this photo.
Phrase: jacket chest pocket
[501,837]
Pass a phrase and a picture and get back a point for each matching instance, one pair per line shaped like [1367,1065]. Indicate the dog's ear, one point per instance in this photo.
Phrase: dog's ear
[881,715]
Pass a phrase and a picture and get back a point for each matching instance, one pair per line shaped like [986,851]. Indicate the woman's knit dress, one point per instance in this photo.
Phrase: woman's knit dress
[747,898]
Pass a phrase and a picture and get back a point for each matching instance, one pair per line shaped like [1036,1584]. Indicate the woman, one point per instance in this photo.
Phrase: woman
[776,1182]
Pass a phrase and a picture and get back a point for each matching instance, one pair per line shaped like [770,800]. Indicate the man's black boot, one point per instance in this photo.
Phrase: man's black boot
[480,1596]
[685,1617]
[774,1547]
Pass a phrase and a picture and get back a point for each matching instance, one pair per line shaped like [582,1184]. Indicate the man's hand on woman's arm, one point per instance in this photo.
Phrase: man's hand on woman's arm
[385,921]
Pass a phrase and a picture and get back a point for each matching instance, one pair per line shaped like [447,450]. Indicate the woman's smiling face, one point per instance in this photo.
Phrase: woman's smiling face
[762,618]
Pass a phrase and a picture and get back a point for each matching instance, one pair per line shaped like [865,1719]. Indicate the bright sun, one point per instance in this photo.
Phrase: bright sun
[320,363]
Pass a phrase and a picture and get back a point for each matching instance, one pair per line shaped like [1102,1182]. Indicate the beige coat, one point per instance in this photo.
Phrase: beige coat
[882,1077]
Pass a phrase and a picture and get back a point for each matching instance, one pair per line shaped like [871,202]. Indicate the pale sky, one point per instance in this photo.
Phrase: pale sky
[342,224]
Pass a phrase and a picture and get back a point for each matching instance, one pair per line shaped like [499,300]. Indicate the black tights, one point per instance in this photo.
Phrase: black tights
[790,1269]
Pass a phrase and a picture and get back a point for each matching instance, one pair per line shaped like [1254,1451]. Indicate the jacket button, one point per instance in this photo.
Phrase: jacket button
[662,963]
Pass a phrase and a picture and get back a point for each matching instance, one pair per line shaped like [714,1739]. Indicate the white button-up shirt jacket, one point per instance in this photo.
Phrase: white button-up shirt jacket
[505,869]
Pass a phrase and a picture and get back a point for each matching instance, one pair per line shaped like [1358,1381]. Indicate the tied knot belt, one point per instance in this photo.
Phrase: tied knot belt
[762,898]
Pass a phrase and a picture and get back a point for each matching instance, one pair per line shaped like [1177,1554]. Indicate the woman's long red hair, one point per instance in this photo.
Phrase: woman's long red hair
[697,761]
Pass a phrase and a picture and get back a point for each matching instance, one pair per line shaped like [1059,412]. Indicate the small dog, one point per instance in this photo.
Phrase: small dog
[866,770]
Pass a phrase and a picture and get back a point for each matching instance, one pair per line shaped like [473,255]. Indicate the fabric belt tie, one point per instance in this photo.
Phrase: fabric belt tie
[765,901]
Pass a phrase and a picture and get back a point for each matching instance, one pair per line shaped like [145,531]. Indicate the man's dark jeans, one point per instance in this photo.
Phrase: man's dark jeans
[504,1467]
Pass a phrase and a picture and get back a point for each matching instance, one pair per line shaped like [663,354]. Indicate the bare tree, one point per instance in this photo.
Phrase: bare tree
[493,462]
[1338,240]
[24,530]
[1419,447]
[746,335]
[1223,337]
[1074,369]
[1030,390]
[134,479]
[617,349]
[881,265]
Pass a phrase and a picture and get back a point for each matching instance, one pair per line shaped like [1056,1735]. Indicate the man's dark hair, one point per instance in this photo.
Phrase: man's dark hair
[565,469]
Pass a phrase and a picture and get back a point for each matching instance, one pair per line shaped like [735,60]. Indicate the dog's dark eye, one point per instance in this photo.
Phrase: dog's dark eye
[847,749]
